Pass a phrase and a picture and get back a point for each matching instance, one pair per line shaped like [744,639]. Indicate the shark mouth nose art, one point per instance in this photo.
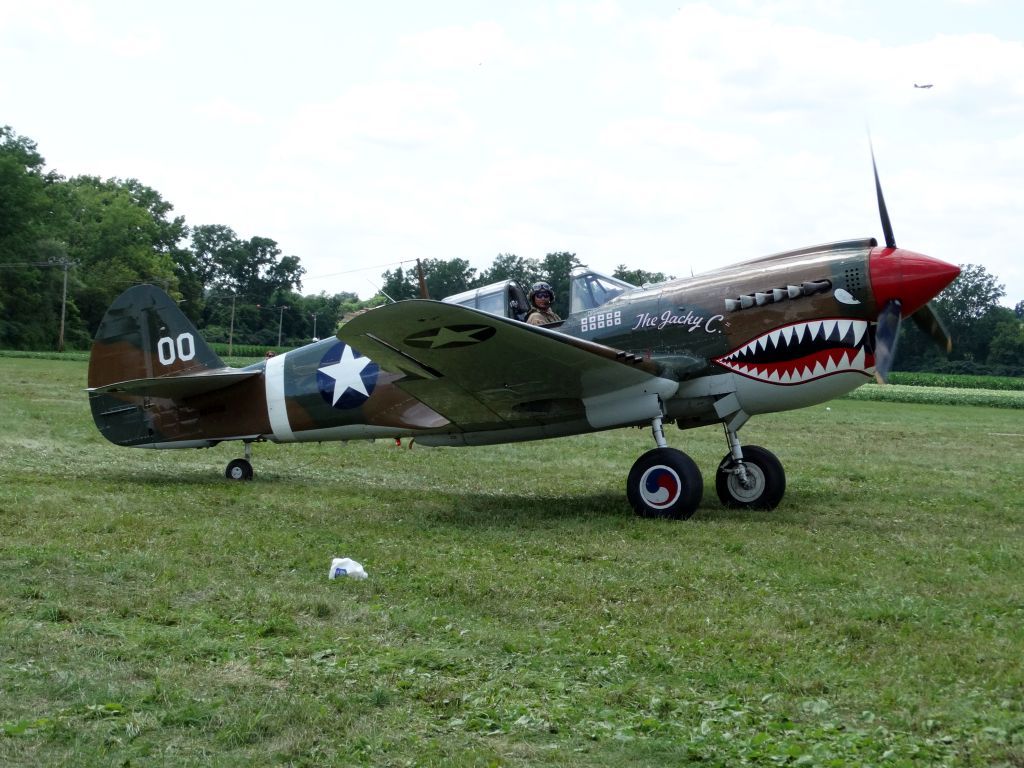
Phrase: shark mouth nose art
[805,351]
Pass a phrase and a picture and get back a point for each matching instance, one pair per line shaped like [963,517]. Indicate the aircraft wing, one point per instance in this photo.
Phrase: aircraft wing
[180,385]
[484,372]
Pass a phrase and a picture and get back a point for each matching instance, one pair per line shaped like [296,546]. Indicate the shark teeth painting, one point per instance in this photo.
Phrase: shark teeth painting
[805,351]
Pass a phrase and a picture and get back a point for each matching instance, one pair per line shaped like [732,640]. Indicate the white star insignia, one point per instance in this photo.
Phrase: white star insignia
[347,374]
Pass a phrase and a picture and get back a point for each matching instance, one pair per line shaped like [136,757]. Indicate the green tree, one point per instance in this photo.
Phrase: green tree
[213,246]
[246,282]
[198,268]
[318,315]
[118,235]
[971,295]
[23,196]
[443,277]
[1007,345]
[399,285]
[253,268]
[638,276]
[970,307]
[447,277]
[30,281]
[508,266]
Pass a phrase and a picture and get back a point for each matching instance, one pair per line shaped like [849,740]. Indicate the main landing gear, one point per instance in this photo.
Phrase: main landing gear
[241,469]
[665,482]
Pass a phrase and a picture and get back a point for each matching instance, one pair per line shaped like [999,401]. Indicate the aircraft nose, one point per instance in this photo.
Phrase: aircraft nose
[913,278]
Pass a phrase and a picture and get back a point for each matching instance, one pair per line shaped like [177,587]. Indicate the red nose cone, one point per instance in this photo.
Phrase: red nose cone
[911,277]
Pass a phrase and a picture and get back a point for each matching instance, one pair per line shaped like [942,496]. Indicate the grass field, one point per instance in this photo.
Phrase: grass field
[516,612]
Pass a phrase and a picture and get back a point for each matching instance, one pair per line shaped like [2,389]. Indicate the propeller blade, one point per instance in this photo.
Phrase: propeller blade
[928,320]
[886,336]
[883,212]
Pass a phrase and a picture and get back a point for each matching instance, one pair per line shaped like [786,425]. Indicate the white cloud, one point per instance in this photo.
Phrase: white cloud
[46,20]
[464,47]
[48,23]
[399,115]
[661,134]
[228,112]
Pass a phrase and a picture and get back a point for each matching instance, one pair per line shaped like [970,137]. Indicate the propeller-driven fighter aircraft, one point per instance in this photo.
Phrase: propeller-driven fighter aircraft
[781,332]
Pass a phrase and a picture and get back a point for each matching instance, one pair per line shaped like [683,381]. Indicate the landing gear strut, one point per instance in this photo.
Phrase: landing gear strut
[241,469]
[749,476]
[664,482]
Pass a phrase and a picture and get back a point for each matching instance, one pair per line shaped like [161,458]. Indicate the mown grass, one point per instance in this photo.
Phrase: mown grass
[516,612]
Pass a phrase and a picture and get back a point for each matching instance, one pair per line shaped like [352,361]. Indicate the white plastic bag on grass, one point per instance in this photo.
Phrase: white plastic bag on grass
[346,566]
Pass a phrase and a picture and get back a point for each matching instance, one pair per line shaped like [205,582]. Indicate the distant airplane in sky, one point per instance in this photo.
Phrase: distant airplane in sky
[926,85]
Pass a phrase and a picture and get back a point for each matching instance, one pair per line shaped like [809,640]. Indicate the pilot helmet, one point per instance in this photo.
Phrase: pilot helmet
[540,288]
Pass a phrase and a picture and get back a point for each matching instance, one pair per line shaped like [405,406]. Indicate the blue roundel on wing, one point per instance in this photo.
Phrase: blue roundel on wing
[346,378]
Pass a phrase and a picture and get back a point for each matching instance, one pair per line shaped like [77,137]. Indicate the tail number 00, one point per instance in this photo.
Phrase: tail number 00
[182,348]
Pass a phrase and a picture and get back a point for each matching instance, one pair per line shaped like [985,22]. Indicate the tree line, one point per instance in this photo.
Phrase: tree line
[69,246]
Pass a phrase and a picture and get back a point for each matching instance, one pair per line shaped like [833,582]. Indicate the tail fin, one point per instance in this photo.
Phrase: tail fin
[145,351]
[144,335]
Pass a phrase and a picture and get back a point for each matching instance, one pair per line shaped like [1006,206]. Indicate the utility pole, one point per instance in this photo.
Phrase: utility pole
[422,281]
[231,330]
[63,308]
[280,323]
[314,326]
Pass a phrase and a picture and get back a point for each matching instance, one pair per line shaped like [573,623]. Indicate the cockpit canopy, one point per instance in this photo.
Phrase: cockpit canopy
[505,298]
[589,289]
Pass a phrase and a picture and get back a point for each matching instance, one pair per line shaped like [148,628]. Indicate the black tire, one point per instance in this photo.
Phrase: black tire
[239,469]
[664,482]
[764,470]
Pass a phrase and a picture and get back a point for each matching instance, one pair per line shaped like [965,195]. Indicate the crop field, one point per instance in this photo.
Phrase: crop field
[516,612]
[957,381]
[937,395]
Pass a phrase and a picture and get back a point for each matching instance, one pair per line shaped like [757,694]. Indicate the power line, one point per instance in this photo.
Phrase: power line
[24,264]
[359,269]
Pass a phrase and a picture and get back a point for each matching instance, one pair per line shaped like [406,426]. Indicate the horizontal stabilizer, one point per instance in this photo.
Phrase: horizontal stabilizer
[178,386]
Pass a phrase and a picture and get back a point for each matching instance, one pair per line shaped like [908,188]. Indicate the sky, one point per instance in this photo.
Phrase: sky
[668,136]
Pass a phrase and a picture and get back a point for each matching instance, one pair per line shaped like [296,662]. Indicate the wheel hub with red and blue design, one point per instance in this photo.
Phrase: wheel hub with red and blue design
[660,487]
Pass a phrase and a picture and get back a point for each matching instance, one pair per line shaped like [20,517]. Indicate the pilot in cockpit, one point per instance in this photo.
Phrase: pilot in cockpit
[541,295]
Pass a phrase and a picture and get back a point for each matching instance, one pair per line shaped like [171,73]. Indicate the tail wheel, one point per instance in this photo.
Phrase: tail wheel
[765,482]
[664,482]
[239,469]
